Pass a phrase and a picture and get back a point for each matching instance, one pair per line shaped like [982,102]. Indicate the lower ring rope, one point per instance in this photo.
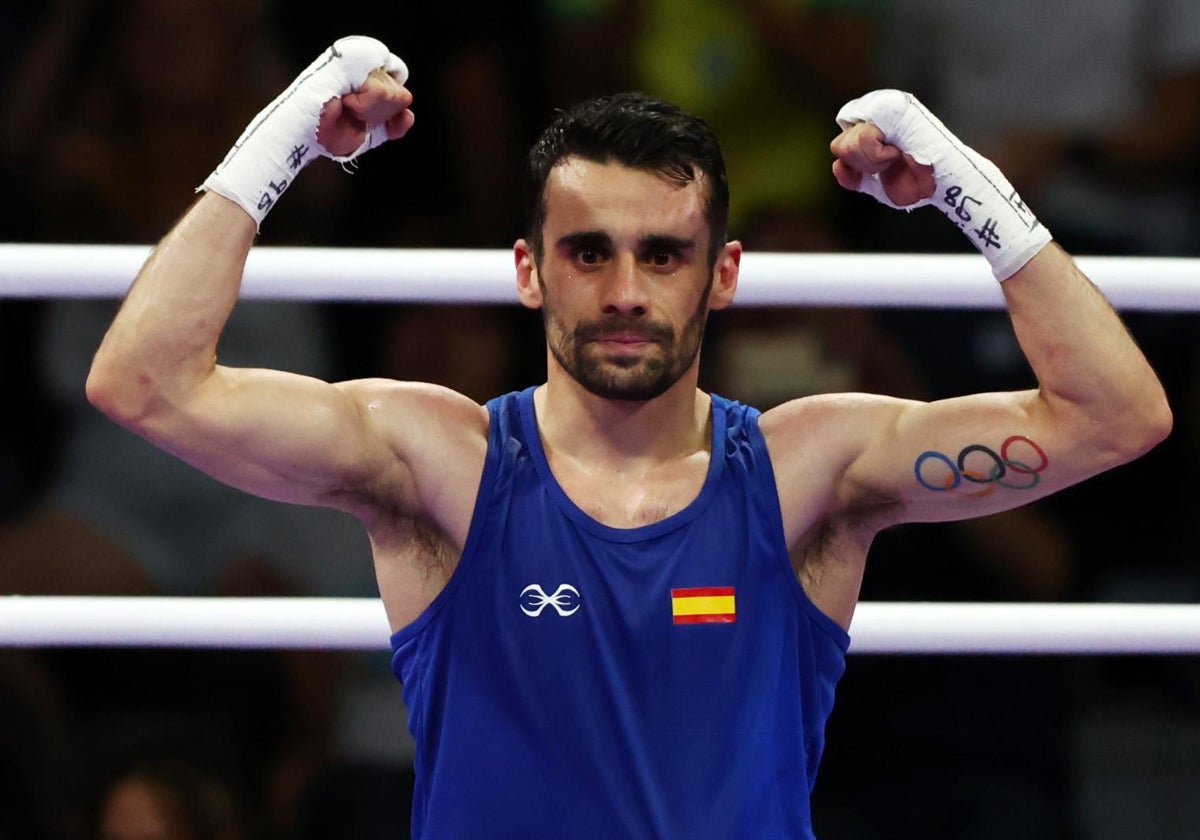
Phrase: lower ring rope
[360,624]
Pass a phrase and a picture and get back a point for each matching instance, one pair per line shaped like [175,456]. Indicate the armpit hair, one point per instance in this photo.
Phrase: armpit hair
[426,548]
[843,538]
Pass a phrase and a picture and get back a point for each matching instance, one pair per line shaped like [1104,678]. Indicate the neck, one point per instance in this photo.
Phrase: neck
[621,434]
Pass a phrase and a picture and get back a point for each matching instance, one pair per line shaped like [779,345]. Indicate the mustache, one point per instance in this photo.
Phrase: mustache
[591,330]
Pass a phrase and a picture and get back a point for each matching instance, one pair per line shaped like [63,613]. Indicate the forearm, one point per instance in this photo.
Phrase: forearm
[163,341]
[1089,370]
[1092,377]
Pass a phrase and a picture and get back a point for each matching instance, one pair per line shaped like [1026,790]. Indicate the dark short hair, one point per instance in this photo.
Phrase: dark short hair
[637,131]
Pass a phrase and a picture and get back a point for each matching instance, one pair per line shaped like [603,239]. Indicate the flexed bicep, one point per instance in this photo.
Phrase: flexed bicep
[278,435]
[972,456]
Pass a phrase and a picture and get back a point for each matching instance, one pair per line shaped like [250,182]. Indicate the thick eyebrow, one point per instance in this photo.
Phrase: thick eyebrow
[595,239]
[598,239]
[666,242]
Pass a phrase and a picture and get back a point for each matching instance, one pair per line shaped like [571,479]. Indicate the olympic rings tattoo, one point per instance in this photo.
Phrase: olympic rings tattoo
[1016,471]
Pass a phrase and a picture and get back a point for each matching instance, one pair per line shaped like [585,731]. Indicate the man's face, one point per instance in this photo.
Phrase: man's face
[624,282]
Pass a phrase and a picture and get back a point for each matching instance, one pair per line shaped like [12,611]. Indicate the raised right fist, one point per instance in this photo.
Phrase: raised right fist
[345,103]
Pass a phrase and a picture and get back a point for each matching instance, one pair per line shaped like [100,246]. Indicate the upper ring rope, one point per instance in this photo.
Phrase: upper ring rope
[486,276]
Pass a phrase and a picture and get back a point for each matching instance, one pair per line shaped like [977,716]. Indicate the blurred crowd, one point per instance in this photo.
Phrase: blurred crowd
[112,113]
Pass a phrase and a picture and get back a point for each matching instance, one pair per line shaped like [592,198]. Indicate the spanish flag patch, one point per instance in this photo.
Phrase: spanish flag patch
[704,605]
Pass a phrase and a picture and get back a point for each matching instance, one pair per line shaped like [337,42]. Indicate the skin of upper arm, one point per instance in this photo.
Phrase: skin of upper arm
[362,446]
[886,460]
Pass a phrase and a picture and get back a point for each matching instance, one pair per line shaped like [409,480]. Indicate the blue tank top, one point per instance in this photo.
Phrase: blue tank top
[575,680]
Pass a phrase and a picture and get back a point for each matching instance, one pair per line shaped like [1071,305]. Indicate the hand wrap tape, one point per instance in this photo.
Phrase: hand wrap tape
[282,139]
[971,191]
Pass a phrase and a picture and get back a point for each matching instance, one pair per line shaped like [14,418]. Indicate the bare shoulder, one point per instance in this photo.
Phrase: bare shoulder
[842,421]
[429,409]
[813,442]
[434,441]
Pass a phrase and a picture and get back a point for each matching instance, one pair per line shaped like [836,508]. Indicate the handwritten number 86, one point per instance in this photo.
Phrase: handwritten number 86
[960,207]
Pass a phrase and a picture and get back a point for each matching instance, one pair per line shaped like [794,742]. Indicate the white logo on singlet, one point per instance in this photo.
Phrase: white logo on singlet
[565,600]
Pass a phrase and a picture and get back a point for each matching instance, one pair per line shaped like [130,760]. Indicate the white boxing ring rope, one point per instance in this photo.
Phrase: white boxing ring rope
[486,276]
[360,624]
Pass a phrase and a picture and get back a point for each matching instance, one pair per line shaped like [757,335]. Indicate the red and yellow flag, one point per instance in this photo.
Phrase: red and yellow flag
[704,605]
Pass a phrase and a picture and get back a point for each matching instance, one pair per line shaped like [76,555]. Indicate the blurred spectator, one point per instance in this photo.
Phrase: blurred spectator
[38,770]
[767,75]
[173,82]
[167,801]
[1090,108]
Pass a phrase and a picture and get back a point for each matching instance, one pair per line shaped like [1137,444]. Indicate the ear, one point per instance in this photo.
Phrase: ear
[725,275]
[529,290]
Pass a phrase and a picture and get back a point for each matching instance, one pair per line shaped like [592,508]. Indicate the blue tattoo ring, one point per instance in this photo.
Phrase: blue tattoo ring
[937,456]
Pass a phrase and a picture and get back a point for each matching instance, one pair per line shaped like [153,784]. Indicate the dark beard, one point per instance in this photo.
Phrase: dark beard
[631,378]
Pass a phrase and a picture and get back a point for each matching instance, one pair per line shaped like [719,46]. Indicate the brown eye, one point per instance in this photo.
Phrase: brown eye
[663,259]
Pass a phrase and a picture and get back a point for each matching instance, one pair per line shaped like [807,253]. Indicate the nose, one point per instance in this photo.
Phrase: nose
[625,290]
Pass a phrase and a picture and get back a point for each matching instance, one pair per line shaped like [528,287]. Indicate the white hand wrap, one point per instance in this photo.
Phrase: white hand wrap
[971,191]
[282,139]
